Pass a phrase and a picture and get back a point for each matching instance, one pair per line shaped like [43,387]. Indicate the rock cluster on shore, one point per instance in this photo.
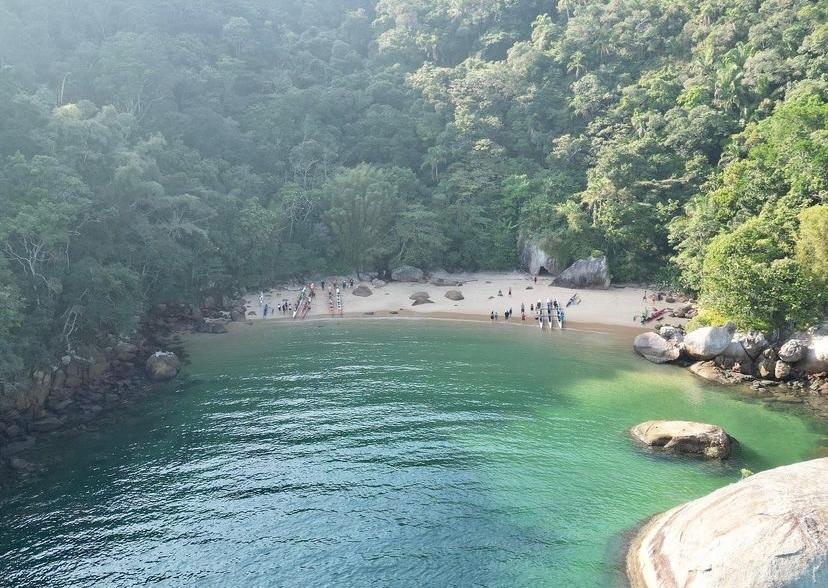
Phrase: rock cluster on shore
[83,385]
[791,371]
[768,530]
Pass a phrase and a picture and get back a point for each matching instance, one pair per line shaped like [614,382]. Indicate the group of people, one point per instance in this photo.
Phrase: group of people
[304,300]
[545,312]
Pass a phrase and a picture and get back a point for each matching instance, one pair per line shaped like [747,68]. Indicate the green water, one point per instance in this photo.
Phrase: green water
[384,453]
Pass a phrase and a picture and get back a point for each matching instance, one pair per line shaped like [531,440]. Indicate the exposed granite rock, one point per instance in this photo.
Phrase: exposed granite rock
[362,290]
[592,272]
[768,530]
[455,295]
[653,347]
[708,342]
[710,371]
[684,437]
[163,365]
[793,350]
[407,273]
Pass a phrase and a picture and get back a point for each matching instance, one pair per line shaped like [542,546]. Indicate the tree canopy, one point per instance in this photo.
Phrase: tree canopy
[162,150]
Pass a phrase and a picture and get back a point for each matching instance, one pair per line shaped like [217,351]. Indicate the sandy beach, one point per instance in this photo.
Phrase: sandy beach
[618,308]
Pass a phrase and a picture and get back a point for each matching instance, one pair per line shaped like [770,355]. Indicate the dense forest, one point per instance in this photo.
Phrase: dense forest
[167,149]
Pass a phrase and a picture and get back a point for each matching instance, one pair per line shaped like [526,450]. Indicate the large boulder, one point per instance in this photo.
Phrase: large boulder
[592,272]
[362,290]
[684,437]
[768,530]
[793,350]
[535,259]
[419,296]
[655,348]
[407,273]
[816,355]
[708,342]
[455,295]
[377,283]
[163,365]
[440,281]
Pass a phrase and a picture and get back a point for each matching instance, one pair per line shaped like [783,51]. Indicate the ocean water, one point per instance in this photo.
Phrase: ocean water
[377,453]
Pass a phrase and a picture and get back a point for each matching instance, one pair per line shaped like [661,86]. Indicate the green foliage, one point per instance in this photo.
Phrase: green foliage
[812,242]
[169,149]
[749,277]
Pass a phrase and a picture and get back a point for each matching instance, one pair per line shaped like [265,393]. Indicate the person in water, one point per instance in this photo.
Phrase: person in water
[491,315]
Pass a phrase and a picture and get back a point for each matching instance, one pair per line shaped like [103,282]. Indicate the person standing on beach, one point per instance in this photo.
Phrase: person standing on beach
[510,290]
[491,316]
[522,311]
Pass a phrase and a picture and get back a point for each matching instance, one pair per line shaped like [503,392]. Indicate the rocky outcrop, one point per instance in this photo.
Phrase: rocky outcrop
[407,273]
[708,342]
[536,260]
[362,290]
[455,295]
[684,437]
[672,334]
[816,355]
[592,272]
[793,350]
[713,373]
[655,348]
[768,530]
[163,365]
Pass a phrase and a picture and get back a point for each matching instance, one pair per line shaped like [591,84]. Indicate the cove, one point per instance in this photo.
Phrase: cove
[404,453]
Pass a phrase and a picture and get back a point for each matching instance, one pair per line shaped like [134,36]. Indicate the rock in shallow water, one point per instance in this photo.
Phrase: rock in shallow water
[655,348]
[684,437]
[163,365]
[769,530]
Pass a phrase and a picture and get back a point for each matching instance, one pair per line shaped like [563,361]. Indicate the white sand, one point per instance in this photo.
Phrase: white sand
[614,307]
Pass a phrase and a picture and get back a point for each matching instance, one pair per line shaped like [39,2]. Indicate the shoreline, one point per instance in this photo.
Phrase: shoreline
[617,308]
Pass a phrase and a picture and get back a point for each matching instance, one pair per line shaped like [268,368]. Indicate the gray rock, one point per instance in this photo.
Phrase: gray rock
[685,437]
[163,365]
[592,272]
[535,259]
[421,301]
[655,348]
[816,355]
[711,372]
[407,273]
[782,370]
[362,290]
[769,530]
[708,342]
[377,283]
[793,350]
[419,296]
[437,281]
[671,333]
[125,351]
[44,425]
[455,295]
[237,315]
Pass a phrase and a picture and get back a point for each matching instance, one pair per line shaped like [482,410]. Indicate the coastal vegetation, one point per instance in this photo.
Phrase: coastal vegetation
[168,150]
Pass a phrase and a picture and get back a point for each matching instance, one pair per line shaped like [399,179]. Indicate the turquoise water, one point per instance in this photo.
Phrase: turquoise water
[383,453]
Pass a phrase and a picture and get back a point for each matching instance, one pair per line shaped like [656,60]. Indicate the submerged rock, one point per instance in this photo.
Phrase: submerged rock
[407,273]
[708,342]
[710,371]
[163,365]
[769,530]
[655,348]
[684,437]
[592,272]
[455,295]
